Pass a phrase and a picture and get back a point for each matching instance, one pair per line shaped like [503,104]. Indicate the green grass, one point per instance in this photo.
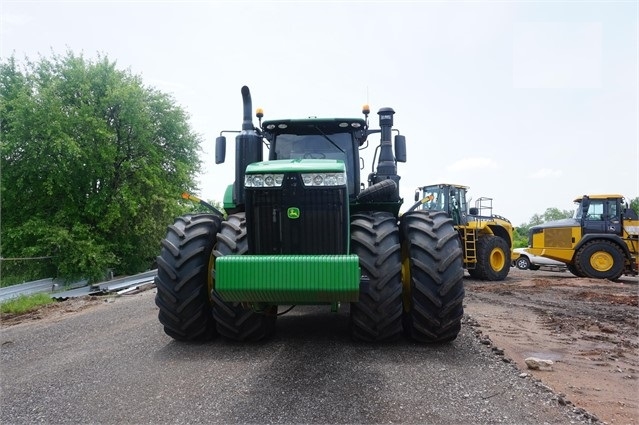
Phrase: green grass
[25,303]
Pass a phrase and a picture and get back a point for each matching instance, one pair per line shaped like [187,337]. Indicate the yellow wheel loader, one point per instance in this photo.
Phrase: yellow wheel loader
[486,239]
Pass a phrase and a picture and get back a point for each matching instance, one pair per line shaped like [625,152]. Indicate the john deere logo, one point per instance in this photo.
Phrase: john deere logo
[293,213]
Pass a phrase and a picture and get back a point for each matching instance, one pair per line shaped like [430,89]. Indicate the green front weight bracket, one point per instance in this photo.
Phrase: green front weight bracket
[288,279]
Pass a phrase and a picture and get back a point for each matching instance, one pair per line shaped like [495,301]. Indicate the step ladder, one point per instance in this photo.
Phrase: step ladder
[469,239]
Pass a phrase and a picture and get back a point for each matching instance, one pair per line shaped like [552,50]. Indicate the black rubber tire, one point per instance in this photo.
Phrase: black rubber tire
[590,251]
[384,191]
[377,316]
[474,273]
[488,246]
[573,269]
[182,279]
[522,263]
[233,320]
[434,268]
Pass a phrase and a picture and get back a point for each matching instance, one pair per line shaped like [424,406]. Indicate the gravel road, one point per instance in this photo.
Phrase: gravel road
[112,363]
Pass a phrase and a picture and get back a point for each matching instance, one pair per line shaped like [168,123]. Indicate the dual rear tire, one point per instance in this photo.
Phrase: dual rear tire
[189,307]
[412,277]
[433,276]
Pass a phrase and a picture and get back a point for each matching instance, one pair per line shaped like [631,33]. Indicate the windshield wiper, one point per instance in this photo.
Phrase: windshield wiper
[329,139]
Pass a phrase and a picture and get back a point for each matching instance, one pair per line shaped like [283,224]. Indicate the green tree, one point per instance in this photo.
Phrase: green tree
[634,204]
[93,165]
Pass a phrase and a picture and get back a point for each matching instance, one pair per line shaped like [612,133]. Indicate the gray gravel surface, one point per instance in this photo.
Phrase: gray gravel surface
[114,364]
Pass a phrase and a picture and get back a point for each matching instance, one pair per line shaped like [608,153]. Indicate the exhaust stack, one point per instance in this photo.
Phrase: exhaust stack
[248,147]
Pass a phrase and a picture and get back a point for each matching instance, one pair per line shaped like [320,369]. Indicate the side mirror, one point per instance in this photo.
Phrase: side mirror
[416,195]
[400,148]
[220,149]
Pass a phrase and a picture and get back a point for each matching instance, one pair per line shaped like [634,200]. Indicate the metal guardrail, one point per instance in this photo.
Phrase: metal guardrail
[76,289]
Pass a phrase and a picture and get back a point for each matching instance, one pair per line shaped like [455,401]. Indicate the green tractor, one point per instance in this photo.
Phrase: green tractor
[303,229]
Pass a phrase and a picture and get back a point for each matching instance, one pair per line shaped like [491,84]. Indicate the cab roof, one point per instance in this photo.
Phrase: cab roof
[458,186]
[310,125]
[600,196]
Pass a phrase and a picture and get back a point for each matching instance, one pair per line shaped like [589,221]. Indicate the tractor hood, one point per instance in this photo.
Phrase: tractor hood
[297,166]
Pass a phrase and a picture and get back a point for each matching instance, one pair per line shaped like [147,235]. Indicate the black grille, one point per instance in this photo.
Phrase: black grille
[321,228]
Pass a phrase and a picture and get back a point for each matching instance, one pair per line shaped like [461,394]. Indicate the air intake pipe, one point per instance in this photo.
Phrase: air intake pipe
[386,165]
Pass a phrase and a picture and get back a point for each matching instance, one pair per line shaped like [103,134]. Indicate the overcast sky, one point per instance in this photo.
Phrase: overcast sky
[529,103]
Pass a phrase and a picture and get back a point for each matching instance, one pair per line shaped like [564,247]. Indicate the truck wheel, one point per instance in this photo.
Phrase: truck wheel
[234,321]
[433,275]
[493,258]
[573,269]
[522,263]
[474,273]
[183,278]
[600,260]
[377,316]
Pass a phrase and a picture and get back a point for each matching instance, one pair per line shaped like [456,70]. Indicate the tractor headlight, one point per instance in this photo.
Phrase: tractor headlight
[263,180]
[324,179]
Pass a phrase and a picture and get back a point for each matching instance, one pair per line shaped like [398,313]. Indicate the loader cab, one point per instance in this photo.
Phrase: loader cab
[317,139]
[445,197]
[600,214]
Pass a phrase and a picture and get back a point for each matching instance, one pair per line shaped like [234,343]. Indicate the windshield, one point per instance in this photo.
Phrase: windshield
[451,199]
[317,146]
[436,198]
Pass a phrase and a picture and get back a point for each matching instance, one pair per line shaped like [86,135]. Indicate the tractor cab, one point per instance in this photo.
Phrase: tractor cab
[313,138]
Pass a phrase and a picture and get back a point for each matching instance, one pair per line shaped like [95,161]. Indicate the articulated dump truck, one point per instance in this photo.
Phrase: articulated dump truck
[601,241]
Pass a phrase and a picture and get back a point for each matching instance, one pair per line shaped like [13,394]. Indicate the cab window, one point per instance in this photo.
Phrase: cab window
[595,210]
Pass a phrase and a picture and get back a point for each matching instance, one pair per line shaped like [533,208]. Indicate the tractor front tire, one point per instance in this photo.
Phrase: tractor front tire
[377,316]
[434,274]
[493,258]
[182,279]
[233,320]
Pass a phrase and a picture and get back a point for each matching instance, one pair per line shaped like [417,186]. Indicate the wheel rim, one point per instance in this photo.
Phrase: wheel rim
[522,263]
[406,280]
[210,282]
[601,261]
[497,259]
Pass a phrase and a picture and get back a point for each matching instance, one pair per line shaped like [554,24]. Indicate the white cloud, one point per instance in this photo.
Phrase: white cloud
[471,164]
[544,173]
